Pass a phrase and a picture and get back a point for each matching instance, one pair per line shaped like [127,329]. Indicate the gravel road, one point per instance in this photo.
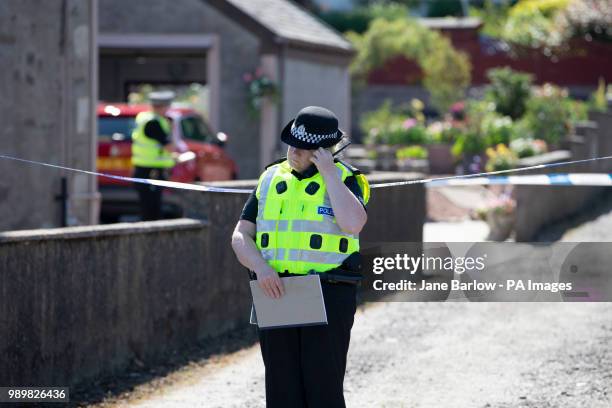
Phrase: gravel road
[452,354]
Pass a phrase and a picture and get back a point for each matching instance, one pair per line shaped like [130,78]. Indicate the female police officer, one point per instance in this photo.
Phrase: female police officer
[305,216]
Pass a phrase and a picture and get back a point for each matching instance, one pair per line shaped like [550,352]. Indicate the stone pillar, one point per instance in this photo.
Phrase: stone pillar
[47,110]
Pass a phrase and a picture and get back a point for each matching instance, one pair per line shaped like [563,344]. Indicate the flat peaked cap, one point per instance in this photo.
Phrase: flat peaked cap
[161,97]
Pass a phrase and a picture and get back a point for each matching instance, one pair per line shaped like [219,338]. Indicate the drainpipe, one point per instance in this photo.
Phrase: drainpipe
[62,197]
[283,43]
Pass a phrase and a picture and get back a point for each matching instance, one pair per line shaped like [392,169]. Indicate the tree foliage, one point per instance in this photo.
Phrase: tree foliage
[446,70]
[509,90]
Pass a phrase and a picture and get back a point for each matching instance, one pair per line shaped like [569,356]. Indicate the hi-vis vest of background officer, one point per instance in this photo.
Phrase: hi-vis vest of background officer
[296,228]
[147,152]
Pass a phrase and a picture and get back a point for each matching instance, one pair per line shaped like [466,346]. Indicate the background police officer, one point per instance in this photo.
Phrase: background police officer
[305,216]
[152,153]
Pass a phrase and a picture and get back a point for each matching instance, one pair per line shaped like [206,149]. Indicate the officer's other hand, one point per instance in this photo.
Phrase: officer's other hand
[324,160]
[270,283]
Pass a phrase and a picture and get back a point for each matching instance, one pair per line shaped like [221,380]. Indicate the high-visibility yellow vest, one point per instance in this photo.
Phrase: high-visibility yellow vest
[147,152]
[296,228]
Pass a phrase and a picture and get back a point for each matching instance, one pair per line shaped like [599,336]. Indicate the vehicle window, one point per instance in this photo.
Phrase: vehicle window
[115,128]
[194,128]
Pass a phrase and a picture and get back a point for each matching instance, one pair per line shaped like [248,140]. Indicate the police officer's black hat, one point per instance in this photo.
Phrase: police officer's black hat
[313,127]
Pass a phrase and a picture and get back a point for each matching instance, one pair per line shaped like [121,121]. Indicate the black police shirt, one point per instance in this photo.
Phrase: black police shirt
[154,131]
[249,212]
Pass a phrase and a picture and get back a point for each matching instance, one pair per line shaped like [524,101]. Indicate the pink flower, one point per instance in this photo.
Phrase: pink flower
[458,107]
[409,123]
[247,77]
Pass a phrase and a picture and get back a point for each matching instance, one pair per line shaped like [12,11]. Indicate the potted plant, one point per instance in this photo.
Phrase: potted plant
[500,158]
[499,213]
[412,158]
[259,88]
[469,147]
[440,138]
[388,130]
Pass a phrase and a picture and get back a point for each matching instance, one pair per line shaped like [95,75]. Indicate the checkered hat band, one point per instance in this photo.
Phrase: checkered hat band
[301,134]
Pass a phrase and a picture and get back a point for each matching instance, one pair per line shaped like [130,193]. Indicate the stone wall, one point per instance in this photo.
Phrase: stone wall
[84,302]
[539,206]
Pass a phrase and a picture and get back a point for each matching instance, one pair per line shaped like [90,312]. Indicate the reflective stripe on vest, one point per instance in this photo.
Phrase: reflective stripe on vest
[147,152]
[296,229]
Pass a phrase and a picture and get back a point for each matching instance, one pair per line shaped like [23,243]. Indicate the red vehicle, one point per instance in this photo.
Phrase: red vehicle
[201,156]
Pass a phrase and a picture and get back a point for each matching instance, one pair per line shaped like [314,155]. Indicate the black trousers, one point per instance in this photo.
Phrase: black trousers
[305,366]
[150,197]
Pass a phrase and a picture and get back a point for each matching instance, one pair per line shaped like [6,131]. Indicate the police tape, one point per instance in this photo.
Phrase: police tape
[557,179]
[553,179]
[161,183]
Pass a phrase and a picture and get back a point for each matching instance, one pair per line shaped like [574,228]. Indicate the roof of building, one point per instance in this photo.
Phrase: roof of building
[287,21]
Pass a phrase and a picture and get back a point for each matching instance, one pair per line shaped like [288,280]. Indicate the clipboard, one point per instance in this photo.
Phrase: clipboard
[301,305]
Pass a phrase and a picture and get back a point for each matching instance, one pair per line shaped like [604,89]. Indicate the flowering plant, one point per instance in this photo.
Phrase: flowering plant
[502,204]
[525,147]
[457,111]
[500,158]
[442,132]
[260,87]
[394,127]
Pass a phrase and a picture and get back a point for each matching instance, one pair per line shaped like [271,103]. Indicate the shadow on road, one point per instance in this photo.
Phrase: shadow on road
[139,372]
[599,206]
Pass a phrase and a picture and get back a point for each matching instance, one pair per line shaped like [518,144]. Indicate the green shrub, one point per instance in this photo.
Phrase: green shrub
[385,126]
[550,114]
[546,24]
[386,39]
[407,131]
[578,110]
[358,19]
[493,16]
[547,8]
[446,86]
[411,152]
[485,127]
[509,90]
[497,129]
[493,128]
[468,143]
[598,100]
[443,8]
[534,24]
[374,123]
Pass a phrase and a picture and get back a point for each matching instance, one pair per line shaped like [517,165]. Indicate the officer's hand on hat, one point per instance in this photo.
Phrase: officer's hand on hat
[324,160]
[270,282]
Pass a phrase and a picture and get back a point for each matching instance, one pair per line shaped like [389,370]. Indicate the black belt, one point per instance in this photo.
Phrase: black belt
[335,276]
